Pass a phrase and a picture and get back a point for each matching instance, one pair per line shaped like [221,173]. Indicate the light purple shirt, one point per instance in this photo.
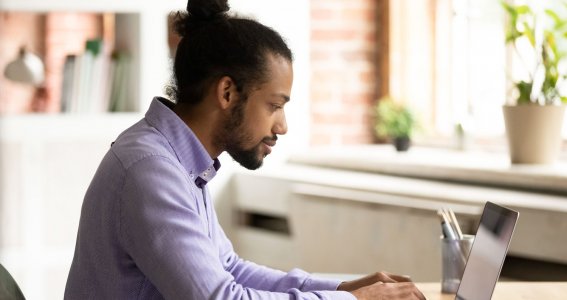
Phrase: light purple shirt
[148,227]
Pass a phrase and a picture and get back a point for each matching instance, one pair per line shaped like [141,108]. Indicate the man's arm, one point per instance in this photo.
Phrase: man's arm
[260,277]
[380,285]
[168,240]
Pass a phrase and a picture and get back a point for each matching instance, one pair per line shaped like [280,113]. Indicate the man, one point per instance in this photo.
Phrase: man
[148,228]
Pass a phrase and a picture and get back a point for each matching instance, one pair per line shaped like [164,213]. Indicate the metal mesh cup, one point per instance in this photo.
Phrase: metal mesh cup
[454,258]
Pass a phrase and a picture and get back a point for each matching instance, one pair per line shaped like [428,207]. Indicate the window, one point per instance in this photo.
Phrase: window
[449,61]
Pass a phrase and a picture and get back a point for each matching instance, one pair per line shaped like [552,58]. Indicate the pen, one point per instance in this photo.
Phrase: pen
[448,232]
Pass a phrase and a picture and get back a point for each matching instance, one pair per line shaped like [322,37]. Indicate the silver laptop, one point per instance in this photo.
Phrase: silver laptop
[488,252]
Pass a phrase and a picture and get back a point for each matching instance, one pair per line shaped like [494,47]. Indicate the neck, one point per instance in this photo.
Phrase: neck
[202,122]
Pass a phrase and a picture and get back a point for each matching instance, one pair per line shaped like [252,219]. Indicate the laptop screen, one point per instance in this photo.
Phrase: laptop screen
[488,252]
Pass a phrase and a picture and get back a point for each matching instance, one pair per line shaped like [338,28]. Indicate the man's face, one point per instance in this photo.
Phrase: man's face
[253,125]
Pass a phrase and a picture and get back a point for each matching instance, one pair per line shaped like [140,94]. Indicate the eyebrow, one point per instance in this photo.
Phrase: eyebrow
[281,95]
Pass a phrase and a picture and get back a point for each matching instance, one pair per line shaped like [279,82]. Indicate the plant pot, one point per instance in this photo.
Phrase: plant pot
[534,132]
[402,143]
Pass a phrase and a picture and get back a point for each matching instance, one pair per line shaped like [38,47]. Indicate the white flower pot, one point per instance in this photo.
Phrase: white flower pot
[534,132]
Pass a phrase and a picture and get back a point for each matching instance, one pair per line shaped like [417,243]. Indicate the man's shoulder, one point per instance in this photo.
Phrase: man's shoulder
[141,142]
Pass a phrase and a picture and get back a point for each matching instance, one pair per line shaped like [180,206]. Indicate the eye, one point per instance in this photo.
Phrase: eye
[276,106]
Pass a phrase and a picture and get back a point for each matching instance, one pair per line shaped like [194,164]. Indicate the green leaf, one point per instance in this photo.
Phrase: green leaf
[524,89]
[529,33]
[393,119]
[554,16]
[509,8]
[523,9]
[513,36]
[550,42]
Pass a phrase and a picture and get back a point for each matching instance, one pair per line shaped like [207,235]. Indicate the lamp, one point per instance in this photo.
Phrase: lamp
[28,68]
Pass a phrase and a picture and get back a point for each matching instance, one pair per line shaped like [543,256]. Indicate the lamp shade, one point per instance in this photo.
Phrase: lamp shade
[27,68]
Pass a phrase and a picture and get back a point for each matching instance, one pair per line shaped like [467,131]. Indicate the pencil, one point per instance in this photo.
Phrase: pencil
[456,224]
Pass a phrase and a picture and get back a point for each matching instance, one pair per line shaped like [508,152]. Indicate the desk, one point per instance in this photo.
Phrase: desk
[506,291]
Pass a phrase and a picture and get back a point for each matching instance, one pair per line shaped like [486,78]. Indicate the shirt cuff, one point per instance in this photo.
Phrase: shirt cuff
[320,284]
[335,295]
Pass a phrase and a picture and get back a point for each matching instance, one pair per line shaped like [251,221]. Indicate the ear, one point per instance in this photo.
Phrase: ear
[226,93]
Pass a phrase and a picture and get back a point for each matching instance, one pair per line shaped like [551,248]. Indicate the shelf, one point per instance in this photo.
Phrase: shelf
[489,169]
[397,188]
[137,28]
[121,6]
[64,126]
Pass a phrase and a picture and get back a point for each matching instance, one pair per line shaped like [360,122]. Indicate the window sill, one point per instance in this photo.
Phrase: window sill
[471,167]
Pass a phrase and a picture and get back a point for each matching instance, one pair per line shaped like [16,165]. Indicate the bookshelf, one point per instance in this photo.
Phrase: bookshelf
[48,160]
[138,29]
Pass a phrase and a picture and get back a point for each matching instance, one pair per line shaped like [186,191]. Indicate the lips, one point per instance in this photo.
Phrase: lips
[270,143]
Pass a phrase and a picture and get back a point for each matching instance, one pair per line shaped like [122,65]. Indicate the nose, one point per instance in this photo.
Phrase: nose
[280,127]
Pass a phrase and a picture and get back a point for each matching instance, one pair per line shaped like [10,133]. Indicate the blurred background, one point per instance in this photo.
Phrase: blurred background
[335,196]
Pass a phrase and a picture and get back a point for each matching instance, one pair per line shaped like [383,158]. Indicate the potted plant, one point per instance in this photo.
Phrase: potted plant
[534,118]
[394,121]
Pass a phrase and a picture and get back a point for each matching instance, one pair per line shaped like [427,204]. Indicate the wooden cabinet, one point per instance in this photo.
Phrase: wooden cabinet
[338,231]
[357,222]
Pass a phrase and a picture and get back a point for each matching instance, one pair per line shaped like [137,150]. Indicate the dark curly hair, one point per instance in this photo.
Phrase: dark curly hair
[215,44]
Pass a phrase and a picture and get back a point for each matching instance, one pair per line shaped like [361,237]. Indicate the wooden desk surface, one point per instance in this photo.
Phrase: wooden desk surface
[506,291]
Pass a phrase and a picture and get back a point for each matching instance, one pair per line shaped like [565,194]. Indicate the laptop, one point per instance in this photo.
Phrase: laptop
[488,252]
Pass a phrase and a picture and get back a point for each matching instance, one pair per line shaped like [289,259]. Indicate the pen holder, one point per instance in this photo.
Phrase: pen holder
[454,255]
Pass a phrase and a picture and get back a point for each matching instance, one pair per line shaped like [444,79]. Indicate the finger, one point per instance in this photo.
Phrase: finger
[419,294]
[399,278]
[414,290]
[385,278]
[410,287]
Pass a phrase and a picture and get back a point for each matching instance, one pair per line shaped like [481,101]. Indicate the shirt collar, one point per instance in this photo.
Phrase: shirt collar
[187,147]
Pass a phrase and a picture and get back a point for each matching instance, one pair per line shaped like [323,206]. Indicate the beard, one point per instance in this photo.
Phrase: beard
[233,137]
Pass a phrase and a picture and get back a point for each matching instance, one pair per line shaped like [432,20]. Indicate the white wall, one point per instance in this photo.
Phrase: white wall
[291,20]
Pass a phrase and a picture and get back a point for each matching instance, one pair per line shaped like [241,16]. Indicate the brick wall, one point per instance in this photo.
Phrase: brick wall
[345,69]
[18,30]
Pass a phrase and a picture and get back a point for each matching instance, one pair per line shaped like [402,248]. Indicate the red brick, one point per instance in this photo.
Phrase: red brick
[342,34]
[323,14]
[360,14]
[344,70]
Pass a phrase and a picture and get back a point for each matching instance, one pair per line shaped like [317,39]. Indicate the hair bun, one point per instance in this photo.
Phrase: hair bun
[207,9]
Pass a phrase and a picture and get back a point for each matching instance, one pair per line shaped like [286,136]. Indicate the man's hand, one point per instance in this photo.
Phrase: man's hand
[382,286]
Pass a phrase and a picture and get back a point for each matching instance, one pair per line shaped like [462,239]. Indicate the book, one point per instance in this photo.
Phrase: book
[67,85]
[120,83]
[94,82]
